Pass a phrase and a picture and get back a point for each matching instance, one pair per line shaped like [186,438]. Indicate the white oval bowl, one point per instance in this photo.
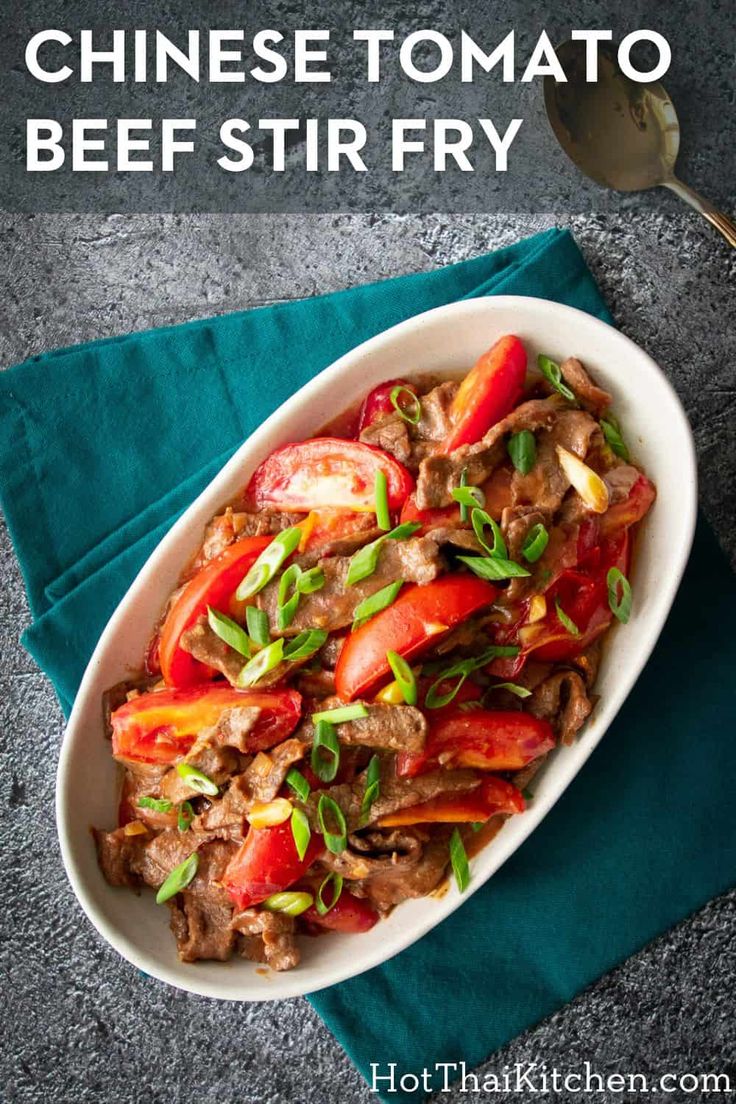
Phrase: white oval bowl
[447,339]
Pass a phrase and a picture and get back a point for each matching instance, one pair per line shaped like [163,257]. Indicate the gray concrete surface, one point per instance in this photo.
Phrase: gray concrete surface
[81,1025]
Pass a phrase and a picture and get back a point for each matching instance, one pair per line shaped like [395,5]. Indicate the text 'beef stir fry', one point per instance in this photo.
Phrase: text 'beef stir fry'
[372,654]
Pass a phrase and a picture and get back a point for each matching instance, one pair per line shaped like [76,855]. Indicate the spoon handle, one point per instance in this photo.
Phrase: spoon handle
[722,222]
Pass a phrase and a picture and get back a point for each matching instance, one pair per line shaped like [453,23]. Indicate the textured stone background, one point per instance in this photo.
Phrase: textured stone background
[80,1024]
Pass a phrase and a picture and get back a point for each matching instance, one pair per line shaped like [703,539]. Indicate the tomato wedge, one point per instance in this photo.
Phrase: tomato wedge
[327,472]
[267,862]
[378,402]
[492,740]
[418,616]
[491,797]
[161,726]
[214,585]
[488,393]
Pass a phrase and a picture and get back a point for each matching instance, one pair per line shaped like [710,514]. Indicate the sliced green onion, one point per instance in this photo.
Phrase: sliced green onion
[158,804]
[311,580]
[404,676]
[298,783]
[365,561]
[372,605]
[619,594]
[197,780]
[257,623]
[469,497]
[372,788]
[459,860]
[492,567]
[566,621]
[612,434]
[325,751]
[341,714]
[228,630]
[513,688]
[336,842]
[412,413]
[305,644]
[268,563]
[522,448]
[335,881]
[383,514]
[535,543]
[300,831]
[286,608]
[291,902]
[460,671]
[479,520]
[265,661]
[552,373]
[464,483]
[185,816]
[178,879]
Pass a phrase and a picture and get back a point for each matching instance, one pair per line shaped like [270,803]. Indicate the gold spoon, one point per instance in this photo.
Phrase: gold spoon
[621,134]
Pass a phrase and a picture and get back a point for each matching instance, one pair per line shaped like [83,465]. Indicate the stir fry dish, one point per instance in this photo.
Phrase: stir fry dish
[372,654]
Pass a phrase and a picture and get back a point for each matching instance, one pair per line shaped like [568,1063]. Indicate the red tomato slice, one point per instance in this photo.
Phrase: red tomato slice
[267,862]
[493,740]
[418,616]
[488,393]
[378,402]
[491,797]
[160,727]
[214,585]
[320,527]
[432,518]
[324,473]
[351,914]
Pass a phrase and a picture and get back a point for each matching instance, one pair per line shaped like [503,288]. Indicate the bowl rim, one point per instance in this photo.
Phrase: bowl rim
[183,976]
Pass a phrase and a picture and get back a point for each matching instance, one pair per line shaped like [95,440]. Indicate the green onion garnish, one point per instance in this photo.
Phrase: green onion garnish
[185,816]
[404,677]
[535,543]
[372,787]
[265,661]
[522,448]
[291,902]
[527,795]
[479,520]
[257,623]
[460,671]
[268,563]
[513,688]
[612,434]
[298,783]
[312,580]
[197,780]
[411,413]
[336,842]
[383,514]
[325,751]
[228,630]
[158,804]
[568,622]
[300,831]
[459,860]
[305,644]
[372,605]
[468,497]
[286,608]
[341,714]
[552,373]
[492,567]
[335,881]
[178,879]
[619,594]
[365,561]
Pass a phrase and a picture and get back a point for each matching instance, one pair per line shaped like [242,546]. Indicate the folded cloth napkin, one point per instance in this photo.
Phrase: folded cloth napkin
[101,448]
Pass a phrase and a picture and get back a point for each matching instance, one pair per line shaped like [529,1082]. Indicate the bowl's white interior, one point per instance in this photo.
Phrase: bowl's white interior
[448,340]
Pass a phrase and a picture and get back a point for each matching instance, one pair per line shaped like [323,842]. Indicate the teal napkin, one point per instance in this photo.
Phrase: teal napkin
[101,448]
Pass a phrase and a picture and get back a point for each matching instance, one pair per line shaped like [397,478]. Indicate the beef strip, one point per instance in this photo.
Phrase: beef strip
[516,524]
[590,397]
[260,781]
[439,474]
[619,480]
[562,700]
[234,525]
[417,560]
[391,727]
[589,661]
[411,444]
[390,433]
[270,937]
[395,885]
[218,763]
[341,546]
[201,928]
[376,853]
[119,855]
[546,484]
[208,648]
